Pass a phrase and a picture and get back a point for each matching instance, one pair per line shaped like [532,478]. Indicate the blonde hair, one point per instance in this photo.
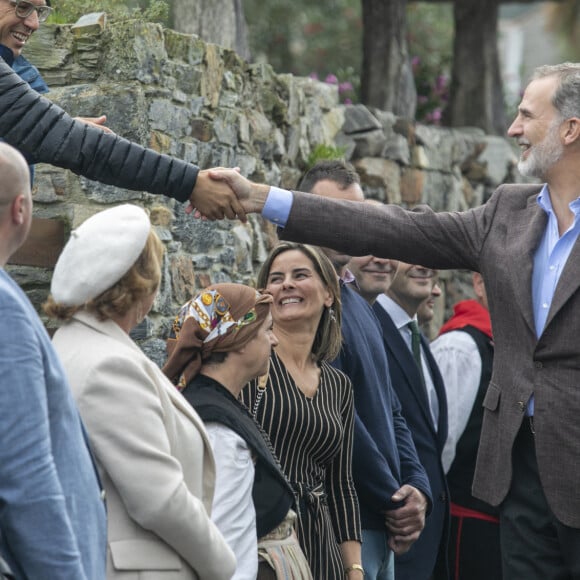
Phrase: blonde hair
[141,280]
[328,338]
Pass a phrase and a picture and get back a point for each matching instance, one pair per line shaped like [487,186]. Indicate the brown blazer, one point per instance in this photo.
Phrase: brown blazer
[498,240]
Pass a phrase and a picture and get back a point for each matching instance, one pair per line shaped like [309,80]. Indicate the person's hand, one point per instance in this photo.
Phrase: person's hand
[96,122]
[215,199]
[406,522]
[251,195]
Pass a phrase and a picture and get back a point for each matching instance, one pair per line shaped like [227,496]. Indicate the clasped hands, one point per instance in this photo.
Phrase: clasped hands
[222,192]
[405,523]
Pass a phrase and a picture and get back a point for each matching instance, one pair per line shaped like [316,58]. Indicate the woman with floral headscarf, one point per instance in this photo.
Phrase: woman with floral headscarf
[222,339]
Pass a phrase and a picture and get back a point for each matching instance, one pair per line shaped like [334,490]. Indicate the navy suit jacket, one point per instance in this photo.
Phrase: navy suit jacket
[428,555]
[384,456]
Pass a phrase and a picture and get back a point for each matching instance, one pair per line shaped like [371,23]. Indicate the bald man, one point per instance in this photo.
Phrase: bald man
[52,521]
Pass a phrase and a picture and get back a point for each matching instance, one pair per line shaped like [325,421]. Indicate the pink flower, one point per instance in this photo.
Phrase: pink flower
[331,79]
[345,87]
[313,76]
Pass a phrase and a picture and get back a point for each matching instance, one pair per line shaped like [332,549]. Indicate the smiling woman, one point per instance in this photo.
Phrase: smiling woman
[306,406]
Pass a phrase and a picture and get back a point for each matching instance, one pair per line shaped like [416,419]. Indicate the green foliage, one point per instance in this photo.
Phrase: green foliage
[430,40]
[324,40]
[69,11]
[323,152]
[564,19]
[302,37]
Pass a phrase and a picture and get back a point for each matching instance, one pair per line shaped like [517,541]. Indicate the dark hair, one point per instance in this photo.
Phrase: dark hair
[337,170]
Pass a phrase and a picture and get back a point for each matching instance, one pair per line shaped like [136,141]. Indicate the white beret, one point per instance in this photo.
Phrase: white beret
[99,253]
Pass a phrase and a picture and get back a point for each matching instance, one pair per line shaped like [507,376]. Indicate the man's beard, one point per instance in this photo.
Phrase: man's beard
[543,156]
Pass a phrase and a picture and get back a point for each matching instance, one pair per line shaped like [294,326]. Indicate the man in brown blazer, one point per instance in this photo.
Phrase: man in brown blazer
[524,243]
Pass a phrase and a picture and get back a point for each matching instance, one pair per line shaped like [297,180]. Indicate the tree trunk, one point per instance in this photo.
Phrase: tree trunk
[218,21]
[476,96]
[387,79]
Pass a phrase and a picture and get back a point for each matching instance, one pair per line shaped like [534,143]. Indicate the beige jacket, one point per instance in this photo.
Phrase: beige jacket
[153,457]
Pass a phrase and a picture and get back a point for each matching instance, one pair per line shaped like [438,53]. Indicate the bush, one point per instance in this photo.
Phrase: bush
[324,152]
[69,11]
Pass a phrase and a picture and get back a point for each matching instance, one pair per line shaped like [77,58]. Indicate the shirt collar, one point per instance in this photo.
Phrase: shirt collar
[545,202]
[399,317]
[348,278]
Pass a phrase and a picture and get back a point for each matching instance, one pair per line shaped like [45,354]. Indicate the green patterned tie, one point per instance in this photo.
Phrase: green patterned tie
[416,346]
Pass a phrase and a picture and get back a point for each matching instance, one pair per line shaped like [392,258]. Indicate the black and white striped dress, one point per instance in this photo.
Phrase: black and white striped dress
[313,438]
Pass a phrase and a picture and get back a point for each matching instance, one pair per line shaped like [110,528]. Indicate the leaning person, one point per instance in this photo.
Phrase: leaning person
[151,448]
[221,339]
[43,132]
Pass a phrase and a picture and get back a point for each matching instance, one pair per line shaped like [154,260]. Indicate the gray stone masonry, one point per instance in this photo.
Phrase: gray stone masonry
[204,104]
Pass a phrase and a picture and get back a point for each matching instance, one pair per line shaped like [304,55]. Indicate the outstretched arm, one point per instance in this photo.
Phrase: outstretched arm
[45,133]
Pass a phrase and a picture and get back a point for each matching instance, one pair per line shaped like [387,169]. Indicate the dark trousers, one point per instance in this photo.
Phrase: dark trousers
[534,544]
[474,549]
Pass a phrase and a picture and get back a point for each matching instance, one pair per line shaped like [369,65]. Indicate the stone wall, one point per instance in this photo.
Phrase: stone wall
[204,104]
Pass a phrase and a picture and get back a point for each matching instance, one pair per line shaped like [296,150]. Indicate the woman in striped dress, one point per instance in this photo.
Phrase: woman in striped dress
[306,407]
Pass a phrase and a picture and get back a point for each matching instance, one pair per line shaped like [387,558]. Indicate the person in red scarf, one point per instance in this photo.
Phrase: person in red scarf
[464,353]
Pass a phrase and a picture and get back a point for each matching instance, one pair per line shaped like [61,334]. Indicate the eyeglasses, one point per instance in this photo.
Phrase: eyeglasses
[24,9]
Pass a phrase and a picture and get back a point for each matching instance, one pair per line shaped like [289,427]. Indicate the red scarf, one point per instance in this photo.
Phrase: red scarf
[469,313]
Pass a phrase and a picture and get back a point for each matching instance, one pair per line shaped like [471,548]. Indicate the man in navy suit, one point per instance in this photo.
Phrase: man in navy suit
[418,384]
[391,484]
[52,515]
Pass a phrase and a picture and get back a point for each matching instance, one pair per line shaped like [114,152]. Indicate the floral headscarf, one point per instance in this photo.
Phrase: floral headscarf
[221,318]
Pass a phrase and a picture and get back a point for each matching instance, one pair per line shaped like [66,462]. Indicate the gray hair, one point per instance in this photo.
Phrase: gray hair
[566,99]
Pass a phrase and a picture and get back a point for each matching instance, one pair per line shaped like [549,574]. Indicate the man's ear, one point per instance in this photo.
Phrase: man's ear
[18,209]
[572,131]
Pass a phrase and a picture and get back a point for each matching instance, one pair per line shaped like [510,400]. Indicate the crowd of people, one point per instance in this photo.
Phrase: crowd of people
[304,429]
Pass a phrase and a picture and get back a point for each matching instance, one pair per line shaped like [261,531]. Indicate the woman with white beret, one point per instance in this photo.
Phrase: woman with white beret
[151,448]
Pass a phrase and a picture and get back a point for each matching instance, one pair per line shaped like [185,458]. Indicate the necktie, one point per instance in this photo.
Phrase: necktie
[416,346]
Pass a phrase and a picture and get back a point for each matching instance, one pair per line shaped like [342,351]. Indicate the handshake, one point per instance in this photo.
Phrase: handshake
[224,193]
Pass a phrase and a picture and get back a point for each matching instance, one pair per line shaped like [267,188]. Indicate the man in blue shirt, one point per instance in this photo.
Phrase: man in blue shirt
[392,486]
[524,241]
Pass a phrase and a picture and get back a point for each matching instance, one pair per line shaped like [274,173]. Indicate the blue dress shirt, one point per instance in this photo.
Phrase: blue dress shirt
[549,261]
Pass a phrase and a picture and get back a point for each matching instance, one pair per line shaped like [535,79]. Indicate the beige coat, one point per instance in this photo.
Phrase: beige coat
[153,457]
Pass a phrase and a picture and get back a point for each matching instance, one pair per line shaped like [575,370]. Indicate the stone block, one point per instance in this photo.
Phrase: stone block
[381,178]
[358,119]
[369,144]
[412,185]
[437,147]
[498,156]
[43,245]
[182,277]
[443,191]
[90,24]
[397,149]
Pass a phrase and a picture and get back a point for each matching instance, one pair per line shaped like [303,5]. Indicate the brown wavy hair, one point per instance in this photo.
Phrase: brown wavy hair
[328,338]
